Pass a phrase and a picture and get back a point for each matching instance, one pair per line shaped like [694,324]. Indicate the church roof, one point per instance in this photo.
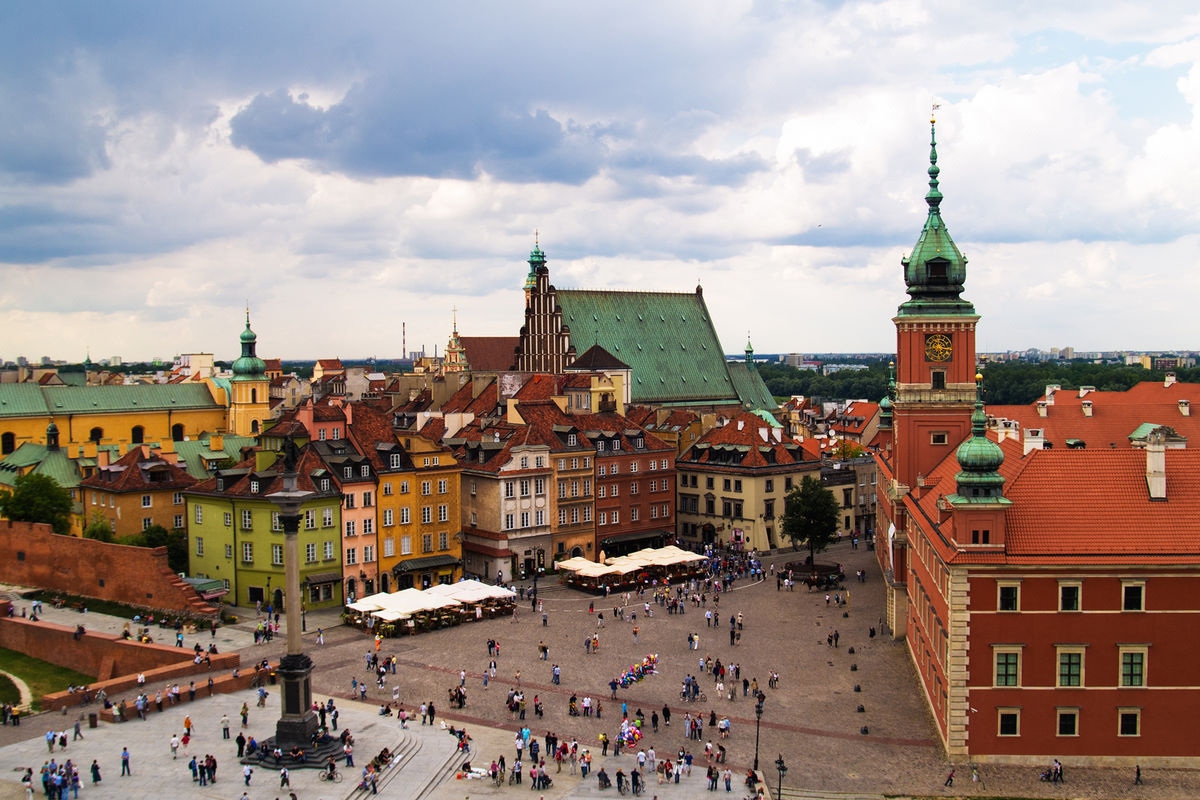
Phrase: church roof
[490,353]
[32,400]
[666,338]
[597,359]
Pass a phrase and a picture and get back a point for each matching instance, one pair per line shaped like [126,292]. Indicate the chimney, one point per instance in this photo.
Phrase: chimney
[1185,408]
[1083,390]
[216,442]
[1156,465]
[1042,407]
[102,456]
[1169,379]
[1051,388]
[1087,408]
[348,409]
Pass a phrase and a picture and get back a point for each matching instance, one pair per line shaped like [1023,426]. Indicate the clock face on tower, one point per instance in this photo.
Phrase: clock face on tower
[938,347]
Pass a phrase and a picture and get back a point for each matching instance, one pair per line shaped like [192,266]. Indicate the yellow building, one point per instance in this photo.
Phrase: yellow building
[142,488]
[249,389]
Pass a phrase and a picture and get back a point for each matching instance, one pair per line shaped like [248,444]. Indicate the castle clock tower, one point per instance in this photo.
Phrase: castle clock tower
[935,347]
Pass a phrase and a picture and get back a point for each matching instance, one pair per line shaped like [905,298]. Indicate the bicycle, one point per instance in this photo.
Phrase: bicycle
[332,777]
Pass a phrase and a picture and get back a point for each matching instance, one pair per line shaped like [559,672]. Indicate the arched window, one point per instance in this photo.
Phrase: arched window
[254,395]
[177,432]
[8,442]
[137,435]
[254,426]
[96,434]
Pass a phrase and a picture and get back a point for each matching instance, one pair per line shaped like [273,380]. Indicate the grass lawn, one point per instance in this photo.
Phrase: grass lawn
[42,676]
[8,691]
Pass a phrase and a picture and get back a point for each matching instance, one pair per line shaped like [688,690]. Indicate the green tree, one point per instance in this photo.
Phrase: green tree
[98,528]
[810,516]
[157,536]
[38,498]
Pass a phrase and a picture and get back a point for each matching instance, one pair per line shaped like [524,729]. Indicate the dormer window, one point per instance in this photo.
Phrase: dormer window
[599,445]
[616,445]
[395,461]
[639,442]
[324,484]
[254,487]
[348,472]
[937,271]
[337,433]
[365,471]
[572,440]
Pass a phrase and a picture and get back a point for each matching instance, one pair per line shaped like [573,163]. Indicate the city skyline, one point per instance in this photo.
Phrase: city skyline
[363,168]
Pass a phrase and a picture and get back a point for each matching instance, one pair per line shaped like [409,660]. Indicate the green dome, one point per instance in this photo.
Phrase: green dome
[249,366]
[980,458]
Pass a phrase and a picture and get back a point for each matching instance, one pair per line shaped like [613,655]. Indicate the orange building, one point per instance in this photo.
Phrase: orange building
[142,488]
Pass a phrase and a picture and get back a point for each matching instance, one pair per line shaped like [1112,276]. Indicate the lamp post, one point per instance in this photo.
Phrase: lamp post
[297,722]
[782,768]
[758,712]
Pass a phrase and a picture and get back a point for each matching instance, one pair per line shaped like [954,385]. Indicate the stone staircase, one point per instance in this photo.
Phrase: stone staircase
[423,760]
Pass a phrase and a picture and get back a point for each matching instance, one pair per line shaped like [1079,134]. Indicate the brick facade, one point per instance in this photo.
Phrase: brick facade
[32,555]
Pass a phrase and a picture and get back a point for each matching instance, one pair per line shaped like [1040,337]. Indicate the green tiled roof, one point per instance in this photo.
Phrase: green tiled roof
[667,339]
[751,390]
[192,454]
[29,399]
[53,463]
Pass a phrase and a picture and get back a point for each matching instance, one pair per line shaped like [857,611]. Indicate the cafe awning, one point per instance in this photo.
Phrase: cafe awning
[424,563]
[323,577]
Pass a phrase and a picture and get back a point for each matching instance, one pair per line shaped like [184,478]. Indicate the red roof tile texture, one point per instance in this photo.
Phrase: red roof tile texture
[490,353]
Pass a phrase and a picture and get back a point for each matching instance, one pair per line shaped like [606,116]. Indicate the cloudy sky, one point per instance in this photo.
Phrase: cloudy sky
[346,167]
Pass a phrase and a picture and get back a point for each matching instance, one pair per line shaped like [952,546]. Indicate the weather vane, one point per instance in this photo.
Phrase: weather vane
[933,112]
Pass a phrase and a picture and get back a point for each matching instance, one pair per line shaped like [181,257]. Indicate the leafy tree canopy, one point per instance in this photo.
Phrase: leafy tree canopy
[157,536]
[38,498]
[98,528]
[810,516]
[1022,382]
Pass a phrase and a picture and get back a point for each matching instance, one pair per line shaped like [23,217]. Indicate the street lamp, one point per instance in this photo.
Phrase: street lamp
[782,768]
[758,711]
[297,722]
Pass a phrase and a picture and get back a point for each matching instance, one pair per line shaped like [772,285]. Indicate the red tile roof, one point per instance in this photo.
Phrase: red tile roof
[490,353]
[139,470]
[1115,415]
[329,363]
[744,434]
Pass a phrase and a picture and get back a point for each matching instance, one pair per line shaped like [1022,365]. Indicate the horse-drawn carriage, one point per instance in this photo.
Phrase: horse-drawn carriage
[821,577]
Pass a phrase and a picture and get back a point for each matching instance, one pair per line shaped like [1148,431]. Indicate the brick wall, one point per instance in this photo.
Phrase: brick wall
[113,661]
[32,555]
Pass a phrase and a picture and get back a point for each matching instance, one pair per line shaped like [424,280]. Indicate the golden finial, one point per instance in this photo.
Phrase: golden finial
[933,113]
[535,238]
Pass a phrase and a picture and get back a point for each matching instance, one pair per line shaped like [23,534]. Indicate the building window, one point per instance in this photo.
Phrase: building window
[1009,721]
[364,471]
[179,521]
[562,516]
[787,484]
[351,555]
[387,489]
[310,552]
[427,543]
[1008,597]
[248,552]
[350,528]
[1070,666]
[539,486]
[508,522]
[614,469]
[426,487]
[368,553]
[616,517]
[602,518]
[633,514]
[1008,668]
[403,487]
[368,526]
[177,499]
[587,462]
[277,555]
[367,499]
[387,518]
[426,461]
[310,519]
[1133,666]
[329,551]
[938,378]
[327,518]
[276,524]
[247,519]
[348,472]
[229,551]
[616,490]
[324,484]
[389,547]
[510,489]
[406,545]
[939,437]
[394,461]
[524,519]
[539,462]
[574,488]
[525,487]
[1070,596]
[770,485]
[587,514]
[199,514]
[443,541]
[442,484]
[1068,722]
[1129,722]
[633,466]
[1133,595]
[321,434]
[426,514]
[633,487]
[405,517]
[539,517]
[662,464]
[199,546]
[587,487]
[443,513]
[572,440]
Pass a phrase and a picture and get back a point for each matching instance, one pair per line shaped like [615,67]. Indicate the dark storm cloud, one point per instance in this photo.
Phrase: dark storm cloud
[387,131]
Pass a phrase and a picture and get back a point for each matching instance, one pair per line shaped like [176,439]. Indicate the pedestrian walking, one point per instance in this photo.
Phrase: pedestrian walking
[125,770]
[284,778]
[247,774]
[224,726]
[949,779]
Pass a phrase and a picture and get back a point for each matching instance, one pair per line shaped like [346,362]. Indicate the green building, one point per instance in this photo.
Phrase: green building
[234,532]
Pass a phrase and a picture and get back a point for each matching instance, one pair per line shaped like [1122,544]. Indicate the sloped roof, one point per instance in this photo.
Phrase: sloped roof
[490,353]
[597,359]
[193,453]
[1115,415]
[743,437]
[666,338]
[52,463]
[132,471]
[752,392]
[30,399]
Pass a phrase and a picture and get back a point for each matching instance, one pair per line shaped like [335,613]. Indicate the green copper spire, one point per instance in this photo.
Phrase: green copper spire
[980,458]
[935,270]
[249,366]
[749,352]
[885,405]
